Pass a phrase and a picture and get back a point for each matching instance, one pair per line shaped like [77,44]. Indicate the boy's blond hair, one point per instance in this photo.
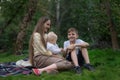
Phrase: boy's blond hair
[52,36]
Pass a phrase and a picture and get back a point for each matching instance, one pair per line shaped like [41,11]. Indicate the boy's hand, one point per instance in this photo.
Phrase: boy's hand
[62,50]
[71,47]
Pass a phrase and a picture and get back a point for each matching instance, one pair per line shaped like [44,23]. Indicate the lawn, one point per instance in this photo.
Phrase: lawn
[106,63]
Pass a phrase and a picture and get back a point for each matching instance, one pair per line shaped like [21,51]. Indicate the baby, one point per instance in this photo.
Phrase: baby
[52,45]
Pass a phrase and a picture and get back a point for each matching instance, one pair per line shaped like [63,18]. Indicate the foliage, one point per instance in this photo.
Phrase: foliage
[88,16]
[12,12]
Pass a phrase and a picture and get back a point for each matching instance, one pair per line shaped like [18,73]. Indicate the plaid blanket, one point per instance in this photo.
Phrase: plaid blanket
[10,68]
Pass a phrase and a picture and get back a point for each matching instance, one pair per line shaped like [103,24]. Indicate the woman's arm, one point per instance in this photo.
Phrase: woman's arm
[38,45]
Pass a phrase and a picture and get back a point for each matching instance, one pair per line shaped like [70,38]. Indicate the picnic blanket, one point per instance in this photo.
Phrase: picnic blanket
[10,68]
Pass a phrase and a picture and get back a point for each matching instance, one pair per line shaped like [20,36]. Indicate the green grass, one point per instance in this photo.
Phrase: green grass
[106,62]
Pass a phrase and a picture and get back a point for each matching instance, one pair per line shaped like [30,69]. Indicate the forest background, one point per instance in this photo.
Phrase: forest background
[98,22]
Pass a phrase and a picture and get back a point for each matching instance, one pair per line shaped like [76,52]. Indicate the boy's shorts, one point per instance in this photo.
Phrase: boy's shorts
[79,57]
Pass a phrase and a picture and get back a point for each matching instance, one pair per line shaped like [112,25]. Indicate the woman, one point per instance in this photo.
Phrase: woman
[40,57]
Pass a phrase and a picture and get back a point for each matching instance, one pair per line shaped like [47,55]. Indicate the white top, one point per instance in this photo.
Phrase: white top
[53,48]
[67,43]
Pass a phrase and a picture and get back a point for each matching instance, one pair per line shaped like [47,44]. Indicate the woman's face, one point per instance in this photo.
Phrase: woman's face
[47,26]
[72,36]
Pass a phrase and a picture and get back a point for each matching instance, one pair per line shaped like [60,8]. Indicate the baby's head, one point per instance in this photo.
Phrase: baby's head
[52,37]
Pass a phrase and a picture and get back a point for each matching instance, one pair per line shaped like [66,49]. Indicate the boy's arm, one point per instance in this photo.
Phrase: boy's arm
[83,45]
[68,49]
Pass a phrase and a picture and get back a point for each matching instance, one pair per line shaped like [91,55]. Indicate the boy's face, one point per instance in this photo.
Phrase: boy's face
[72,36]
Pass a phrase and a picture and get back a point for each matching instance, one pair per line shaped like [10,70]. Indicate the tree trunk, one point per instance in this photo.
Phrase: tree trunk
[58,15]
[23,26]
[113,32]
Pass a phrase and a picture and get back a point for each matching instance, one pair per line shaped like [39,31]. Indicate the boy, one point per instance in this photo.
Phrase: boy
[76,51]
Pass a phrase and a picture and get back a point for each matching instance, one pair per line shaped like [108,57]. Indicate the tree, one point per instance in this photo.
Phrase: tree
[11,12]
[111,25]
[23,26]
[58,14]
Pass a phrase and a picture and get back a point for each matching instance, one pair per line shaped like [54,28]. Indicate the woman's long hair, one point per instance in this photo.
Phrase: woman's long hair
[40,29]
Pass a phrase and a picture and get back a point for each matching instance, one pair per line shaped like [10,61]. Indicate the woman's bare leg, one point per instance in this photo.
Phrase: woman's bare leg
[48,68]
